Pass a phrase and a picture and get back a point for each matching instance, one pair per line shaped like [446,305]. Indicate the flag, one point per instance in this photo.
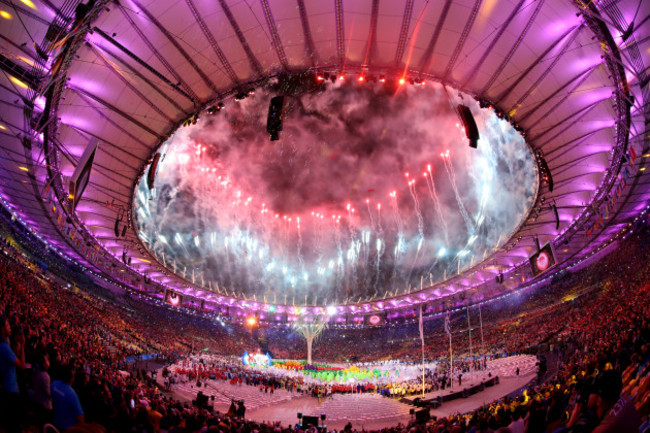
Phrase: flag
[632,154]
[421,327]
[447,328]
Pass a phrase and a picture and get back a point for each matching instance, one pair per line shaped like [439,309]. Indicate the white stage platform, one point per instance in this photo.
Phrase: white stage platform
[370,411]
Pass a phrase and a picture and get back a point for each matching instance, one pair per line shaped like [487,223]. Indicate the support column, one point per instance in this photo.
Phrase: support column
[310,331]
[310,342]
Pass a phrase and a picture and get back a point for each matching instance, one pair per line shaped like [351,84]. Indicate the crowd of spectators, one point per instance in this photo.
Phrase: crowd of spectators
[64,351]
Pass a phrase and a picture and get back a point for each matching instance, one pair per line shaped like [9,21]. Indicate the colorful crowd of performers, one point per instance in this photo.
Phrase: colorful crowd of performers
[321,380]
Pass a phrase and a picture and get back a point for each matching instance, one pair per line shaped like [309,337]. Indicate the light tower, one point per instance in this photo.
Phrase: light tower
[311,331]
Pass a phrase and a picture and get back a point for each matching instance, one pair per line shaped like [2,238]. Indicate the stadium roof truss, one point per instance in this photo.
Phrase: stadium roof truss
[572,75]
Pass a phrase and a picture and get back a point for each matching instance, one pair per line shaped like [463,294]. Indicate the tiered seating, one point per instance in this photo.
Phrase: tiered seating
[598,337]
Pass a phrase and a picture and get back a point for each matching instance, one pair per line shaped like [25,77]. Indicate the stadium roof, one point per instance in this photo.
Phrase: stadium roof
[130,72]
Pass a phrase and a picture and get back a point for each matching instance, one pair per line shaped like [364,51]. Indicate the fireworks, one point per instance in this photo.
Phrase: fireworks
[256,218]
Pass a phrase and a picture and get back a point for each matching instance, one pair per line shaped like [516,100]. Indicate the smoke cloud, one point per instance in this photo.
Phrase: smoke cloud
[353,202]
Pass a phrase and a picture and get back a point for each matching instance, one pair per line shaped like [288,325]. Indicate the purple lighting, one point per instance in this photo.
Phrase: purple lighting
[558,27]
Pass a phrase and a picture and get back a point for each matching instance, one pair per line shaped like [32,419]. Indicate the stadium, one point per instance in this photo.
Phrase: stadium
[356,215]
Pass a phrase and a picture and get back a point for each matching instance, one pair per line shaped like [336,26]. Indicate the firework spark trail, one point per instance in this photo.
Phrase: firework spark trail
[229,262]
[372,223]
[247,223]
[431,185]
[300,258]
[282,255]
[418,212]
[337,235]
[364,268]
[380,229]
[366,234]
[430,270]
[396,215]
[350,225]
[380,252]
[381,247]
[400,228]
[354,276]
[265,234]
[339,248]
[452,180]
[318,247]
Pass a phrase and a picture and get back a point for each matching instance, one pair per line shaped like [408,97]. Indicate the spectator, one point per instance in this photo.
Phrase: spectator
[40,391]
[241,409]
[517,424]
[232,411]
[617,414]
[67,407]
[10,407]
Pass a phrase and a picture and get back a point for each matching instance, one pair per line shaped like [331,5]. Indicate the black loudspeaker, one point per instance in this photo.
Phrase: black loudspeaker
[422,416]
[274,119]
[309,420]
[557,217]
[323,416]
[151,175]
[471,130]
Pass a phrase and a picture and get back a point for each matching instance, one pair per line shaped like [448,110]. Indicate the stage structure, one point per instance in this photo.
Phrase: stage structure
[258,359]
[311,331]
